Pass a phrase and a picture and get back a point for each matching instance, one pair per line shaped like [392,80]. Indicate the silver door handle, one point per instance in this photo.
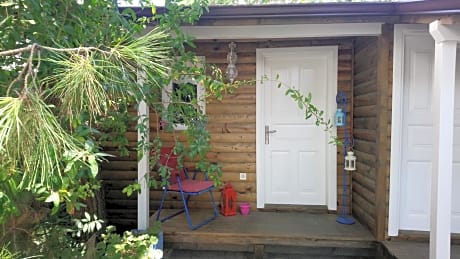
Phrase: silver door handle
[267,134]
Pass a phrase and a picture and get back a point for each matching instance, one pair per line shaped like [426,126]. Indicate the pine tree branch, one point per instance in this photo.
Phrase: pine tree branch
[31,47]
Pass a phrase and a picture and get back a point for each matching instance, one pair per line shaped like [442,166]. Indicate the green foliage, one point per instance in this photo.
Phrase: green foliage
[61,75]
[57,236]
[87,225]
[28,123]
[129,245]
[8,195]
[114,127]
[5,253]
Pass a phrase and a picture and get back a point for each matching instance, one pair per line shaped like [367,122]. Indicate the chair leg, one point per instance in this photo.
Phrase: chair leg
[216,211]
[165,191]
[187,212]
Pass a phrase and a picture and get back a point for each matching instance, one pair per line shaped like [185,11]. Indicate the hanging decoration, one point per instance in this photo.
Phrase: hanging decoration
[232,71]
[348,143]
[339,118]
[350,161]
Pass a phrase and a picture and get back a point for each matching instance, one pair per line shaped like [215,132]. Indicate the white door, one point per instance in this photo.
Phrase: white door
[417,138]
[296,152]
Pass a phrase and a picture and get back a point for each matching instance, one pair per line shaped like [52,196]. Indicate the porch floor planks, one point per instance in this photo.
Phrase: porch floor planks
[414,249]
[242,233]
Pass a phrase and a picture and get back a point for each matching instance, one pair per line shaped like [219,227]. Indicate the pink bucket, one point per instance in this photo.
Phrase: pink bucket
[245,208]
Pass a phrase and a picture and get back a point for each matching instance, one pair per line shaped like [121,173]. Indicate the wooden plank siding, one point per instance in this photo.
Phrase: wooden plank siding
[372,124]
[365,130]
[231,123]
[384,86]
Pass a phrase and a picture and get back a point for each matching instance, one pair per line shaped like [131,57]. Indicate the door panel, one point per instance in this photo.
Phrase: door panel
[417,133]
[417,136]
[295,160]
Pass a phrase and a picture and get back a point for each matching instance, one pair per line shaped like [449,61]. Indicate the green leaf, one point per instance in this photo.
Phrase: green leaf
[85,228]
[300,104]
[93,165]
[98,225]
[40,190]
[30,21]
[54,198]
[69,166]
[7,4]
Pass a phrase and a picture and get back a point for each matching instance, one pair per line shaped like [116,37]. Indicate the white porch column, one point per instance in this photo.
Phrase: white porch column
[143,197]
[143,171]
[445,37]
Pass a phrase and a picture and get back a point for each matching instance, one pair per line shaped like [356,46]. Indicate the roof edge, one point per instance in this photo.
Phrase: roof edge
[321,9]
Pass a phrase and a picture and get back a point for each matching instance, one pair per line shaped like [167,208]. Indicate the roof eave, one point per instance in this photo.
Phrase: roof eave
[323,10]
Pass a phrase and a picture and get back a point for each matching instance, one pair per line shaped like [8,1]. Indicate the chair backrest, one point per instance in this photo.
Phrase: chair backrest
[169,159]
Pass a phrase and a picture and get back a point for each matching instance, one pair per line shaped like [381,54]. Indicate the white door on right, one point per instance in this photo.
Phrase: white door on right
[417,137]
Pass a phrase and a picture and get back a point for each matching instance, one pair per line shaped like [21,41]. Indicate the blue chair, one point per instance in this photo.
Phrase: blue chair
[180,182]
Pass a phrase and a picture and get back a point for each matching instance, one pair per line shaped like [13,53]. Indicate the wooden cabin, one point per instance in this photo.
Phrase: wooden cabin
[381,55]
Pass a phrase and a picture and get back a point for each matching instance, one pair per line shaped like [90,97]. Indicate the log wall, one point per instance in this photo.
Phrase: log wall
[365,130]
[372,129]
[231,123]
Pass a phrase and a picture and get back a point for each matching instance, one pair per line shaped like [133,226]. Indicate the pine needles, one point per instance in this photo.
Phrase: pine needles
[33,141]
[79,85]
[92,80]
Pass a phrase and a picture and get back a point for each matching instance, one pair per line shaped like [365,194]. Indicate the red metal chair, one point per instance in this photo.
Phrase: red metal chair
[180,182]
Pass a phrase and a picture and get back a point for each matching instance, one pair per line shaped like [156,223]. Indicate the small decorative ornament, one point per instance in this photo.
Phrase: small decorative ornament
[231,71]
[339,118]
[228,201]
[350,161]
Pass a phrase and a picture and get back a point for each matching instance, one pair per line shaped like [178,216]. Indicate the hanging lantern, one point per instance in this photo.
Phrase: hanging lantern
[228,201]
[350,161]
[232,71]
[339,117]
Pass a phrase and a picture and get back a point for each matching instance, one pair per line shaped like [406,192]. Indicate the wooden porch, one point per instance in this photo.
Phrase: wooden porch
[274,234]
[269,235]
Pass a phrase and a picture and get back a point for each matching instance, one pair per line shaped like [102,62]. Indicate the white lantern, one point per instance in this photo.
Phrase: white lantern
[232,71]
[350,161]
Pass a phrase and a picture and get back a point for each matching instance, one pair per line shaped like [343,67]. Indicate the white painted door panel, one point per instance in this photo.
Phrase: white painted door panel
[417,137]
[295,159]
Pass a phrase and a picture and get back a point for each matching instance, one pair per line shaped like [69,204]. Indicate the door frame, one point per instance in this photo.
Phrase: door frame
[331,52]
[401,31]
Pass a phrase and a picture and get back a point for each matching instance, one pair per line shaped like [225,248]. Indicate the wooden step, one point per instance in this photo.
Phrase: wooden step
[274,251]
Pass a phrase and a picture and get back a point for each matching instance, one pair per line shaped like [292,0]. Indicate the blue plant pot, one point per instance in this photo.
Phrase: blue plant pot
[159,244]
